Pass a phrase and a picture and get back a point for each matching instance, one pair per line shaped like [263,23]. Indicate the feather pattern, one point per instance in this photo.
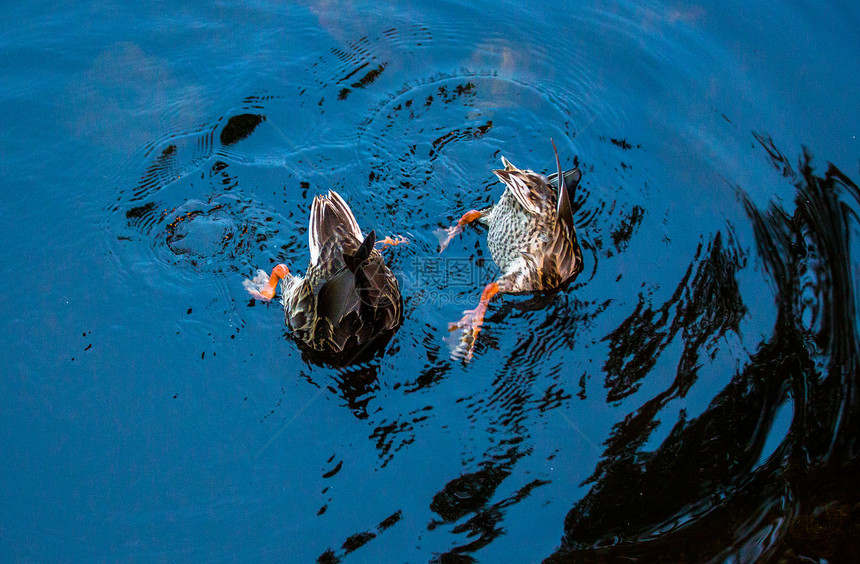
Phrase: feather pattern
[349,297]
[331,219]
[531,234]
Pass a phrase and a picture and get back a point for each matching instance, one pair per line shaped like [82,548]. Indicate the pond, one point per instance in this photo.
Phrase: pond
[691,396]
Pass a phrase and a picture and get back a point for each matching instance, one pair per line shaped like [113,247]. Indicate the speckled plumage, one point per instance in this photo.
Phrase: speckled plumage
[531,237]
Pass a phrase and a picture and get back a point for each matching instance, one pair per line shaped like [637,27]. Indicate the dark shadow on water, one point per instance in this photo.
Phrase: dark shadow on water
[357,540]
[356,385]
[470,495]
[239,127]
[704,494]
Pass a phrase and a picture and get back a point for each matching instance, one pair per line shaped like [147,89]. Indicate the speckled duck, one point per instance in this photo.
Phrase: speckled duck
[531,237]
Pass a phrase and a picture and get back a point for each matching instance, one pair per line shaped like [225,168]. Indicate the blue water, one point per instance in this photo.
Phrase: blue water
[693,396]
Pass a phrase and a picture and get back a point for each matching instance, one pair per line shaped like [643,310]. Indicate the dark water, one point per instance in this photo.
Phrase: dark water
[692,397]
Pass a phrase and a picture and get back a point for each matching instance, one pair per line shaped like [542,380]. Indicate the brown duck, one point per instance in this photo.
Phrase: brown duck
[348,299]
[531,237]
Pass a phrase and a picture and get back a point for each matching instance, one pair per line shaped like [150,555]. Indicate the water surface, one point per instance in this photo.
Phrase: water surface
[693,396]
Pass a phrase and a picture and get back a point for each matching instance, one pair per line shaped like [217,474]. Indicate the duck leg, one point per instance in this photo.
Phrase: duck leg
[389,242]
[472,321]
[452,231]
[263,286]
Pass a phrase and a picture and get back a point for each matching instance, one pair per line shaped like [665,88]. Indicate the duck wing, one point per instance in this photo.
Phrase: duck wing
[360,301]
[338,296]
[376,287]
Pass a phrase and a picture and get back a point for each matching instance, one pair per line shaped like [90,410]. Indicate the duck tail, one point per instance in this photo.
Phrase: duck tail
[567,183]
[330,217]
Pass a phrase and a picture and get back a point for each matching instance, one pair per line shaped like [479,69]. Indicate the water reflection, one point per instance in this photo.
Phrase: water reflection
[356,385]
[357,540]
[471,494]
[240,126]
[693,396]
[705,493]
[701,310]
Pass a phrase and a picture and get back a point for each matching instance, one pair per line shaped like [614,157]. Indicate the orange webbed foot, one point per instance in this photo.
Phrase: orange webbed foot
[471,324]
[389,242]
[262,286]
[446,235]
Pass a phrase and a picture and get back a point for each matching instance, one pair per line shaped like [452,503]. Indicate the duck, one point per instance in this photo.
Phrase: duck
[349,299]
[531,237]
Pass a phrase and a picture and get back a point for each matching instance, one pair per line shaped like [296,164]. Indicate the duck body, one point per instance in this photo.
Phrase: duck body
[348,299]
[531,237]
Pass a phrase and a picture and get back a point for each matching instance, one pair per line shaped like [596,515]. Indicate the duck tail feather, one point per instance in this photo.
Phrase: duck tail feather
[563,210]
[330,215]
